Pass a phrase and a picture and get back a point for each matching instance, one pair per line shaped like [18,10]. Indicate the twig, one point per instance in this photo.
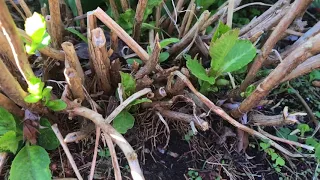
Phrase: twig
[95,153]
[230,12]
[152,62]
[79,135]
[189,20]
[17,9]
[141,7]
[310,148]
[297,7]
[188,12]
[306,50]
[251,4]
[25,8]
[124,4]
[116,137]
[57,31]
[167,127]
[232,121]
[75,83]
[66,150]
[175,15]
[126,103]
[305,105]
[80,12]
[115,164]
[114,9]
[122,34]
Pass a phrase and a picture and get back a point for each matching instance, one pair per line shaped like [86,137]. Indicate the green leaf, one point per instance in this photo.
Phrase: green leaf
[32,98]
[222,82]
[220,49]
[131,60]
[241,54]
[31,163]
[314,75]
[168,41]
[205,4]
[303,128]
[197,70]
[56,105]
[123,122]
[317,152]
[77,33]
[285,133]
[139,101]
[104,153]
[221,29]
[264,146]
[128,83]
[163,56]
[46,94]
[280,161]
[274,156]
[7,122]
[47,138]
[9,142]
[126,20]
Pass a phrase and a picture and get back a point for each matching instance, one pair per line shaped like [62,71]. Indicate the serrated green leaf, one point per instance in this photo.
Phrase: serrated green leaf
[197,70]
[128,83]
[139,101]
[31,163]
[47,138]
[220,49]
[280,161]
[77,33]
[123,122]
[241,54]
[32,98]
[221,29]
[7,122]
[163,56]
[168,41]
[126,20]
[9,142]
[56,105]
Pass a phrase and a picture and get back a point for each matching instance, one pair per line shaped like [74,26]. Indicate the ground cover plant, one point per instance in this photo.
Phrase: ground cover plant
[159,89]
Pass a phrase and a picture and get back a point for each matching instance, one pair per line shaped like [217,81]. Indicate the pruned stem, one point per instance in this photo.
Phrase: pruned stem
[72,60]
[57,31]
[141,7]
[75,83]
[80,12]
[189,11]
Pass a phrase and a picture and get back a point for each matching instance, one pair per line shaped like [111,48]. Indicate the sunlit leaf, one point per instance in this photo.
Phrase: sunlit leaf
[197,70]
[32,98]
[221,29]
[163,56]
[128,83]
[9,142]
[56,105]
[168,41]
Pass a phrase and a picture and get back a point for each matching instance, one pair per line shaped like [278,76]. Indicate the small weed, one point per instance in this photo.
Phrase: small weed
[194,175]
[278,161]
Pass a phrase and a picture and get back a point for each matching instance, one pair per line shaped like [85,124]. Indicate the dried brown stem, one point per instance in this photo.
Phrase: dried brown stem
[81,134]
[116,137]
[152,62]
[179,85]
[306,50]
[306,67]
[200,123]
[95,153]
[100,59]
[3,160]
[189,11]
[114,72]
[232,121]
[122,34]
[174,15]
[25,8]
[124,5]
[189,20]
[57,31]
[17,9]
[8,28]
[80,12]
[297,7]
[72,60]
[141,7]
[187,39]
[66,150]
[9,105]
[75,83]
[114,9]
[263,120]
[115,164]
